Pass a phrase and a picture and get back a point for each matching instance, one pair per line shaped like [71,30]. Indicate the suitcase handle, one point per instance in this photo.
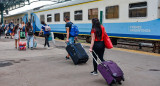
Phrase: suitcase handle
[96,56]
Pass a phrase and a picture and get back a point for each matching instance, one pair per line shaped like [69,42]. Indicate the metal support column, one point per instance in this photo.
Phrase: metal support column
[101,17]
[2,16]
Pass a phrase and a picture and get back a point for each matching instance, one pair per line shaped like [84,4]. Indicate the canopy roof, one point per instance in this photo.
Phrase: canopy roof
[12,4]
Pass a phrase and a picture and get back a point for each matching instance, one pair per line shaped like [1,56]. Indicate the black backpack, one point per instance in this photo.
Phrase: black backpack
[30,32]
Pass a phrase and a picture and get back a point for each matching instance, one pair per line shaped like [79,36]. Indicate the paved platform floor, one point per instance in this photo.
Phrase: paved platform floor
[43,67]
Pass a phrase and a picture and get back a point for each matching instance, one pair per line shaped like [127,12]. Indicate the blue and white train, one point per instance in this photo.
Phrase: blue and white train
[129,19]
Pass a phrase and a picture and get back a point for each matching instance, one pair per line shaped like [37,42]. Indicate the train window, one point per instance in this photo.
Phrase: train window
[49,18]
[138,9]
[92,13]
[57,17]
[78,15]
[112,12]
[67,14]
[42,18]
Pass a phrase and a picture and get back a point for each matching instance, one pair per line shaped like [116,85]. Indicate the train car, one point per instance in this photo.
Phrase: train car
[128,19]
[136,19]
[16,18]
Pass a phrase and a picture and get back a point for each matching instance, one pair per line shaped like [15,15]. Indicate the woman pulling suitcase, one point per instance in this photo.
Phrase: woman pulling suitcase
[111,72]
[97,42]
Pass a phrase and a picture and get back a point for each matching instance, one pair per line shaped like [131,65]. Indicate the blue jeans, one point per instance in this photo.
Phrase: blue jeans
[71,40]
[30,39]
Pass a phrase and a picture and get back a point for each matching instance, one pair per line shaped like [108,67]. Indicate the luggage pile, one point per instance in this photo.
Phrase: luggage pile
[22,45]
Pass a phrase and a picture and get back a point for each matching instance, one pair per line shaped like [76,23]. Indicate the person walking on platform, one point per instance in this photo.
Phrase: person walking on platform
[30,35]
[6,29]
[10,28]
[23,26]
[97,43]
[46,30]
[16,32]
[0,30]
[68,27]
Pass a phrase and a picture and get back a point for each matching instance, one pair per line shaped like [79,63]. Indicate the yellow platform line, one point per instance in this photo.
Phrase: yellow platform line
[136,51]
[120,49]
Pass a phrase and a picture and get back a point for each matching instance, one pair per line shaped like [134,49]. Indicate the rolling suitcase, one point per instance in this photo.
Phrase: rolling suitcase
[110,71]
[22,46]
[77,53]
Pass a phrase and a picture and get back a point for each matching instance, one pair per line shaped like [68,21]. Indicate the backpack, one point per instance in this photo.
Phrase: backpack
[47,28]
[11,26]
[74,30]
[30,32]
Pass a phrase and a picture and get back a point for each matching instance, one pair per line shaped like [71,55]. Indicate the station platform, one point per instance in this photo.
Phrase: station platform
[43,67]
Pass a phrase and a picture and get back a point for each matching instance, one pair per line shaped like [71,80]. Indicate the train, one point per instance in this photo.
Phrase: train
[122,19]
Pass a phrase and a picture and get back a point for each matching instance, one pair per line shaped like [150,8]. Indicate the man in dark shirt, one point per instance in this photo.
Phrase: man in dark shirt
[10,28]
[69,39]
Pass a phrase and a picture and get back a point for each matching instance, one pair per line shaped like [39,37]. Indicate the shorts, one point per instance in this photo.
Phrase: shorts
[71,40]
[10,31]
[16,36]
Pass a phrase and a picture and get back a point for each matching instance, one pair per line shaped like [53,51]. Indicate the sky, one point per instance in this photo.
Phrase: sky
[32,5]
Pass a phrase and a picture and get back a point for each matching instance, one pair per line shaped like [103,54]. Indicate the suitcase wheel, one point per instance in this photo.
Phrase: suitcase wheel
[110,85]
[123,78]
[120,83]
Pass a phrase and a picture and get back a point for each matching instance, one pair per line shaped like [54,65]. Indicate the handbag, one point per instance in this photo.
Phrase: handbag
[50,37]
[107,40]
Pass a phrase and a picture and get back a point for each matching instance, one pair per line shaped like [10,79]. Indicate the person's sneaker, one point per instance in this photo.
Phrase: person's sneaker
[48,48]
[94,73]
[67,58]
[31,48]
[44,46]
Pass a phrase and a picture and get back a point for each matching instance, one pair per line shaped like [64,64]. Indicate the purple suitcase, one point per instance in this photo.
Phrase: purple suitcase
[110,71]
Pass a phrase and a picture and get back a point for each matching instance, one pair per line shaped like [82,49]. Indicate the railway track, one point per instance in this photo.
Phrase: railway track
[147,46]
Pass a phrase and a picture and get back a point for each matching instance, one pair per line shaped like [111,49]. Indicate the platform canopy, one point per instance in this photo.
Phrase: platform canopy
[8,5]
[12,4]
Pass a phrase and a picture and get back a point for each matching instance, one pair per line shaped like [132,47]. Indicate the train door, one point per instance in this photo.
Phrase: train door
[158,8]
[101,17]
[34,23]
[25,19]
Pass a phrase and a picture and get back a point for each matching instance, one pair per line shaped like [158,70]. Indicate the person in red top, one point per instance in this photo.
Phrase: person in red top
[97,43]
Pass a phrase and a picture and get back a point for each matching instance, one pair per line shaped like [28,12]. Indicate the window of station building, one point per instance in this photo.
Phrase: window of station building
[92,13]
[42,18]
[112,12]
[21,20]
[138,9]
[17,20]
[78,15]
[66,14]
[57,17]
[49,18]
